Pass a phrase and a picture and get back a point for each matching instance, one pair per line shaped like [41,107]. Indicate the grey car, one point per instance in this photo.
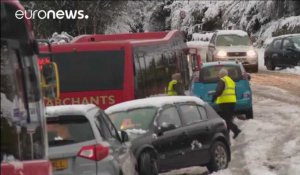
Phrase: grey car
[83,141]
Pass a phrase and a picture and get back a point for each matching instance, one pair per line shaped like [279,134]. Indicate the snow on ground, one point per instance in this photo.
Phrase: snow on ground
[269,144]
[261,64]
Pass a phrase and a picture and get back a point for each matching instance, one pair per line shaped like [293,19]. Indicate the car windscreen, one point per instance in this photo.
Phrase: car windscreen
[232,40]
[139,119]
[68,129]
[90,71]
[296,41]
[210,74]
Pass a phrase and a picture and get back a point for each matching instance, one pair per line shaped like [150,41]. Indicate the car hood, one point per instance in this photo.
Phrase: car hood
[235,48]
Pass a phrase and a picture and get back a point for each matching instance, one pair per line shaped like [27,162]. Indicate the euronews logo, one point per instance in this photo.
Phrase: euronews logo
[51,14]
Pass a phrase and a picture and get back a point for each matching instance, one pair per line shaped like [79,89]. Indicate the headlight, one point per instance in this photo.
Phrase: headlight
[221,53]
[251,53]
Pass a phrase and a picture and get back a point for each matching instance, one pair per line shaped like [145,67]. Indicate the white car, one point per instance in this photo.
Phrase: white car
[232,45]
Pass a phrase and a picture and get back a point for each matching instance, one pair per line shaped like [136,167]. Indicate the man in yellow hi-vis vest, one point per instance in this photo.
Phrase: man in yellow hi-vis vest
[225,97]
[175,86]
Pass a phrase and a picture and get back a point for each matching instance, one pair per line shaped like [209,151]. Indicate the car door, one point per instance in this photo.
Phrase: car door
[198,131]
[110,134]
[277,53]
[168,144]
[288,53]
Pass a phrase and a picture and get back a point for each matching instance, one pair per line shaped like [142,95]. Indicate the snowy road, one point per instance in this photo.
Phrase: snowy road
[270,143]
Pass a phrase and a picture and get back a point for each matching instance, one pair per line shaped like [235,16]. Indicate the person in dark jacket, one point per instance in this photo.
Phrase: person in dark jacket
[175,86]
[225,97]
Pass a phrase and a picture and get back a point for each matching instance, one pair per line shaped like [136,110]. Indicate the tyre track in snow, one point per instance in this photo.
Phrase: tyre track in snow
[287,82]
[284,90]
[238,163]
[276,155]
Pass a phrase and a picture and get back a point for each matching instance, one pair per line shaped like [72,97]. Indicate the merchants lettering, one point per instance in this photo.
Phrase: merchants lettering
[106,100]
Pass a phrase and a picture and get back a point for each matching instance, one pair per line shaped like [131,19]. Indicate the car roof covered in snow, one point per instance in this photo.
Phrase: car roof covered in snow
[270,40]
[152,102]
[286,36]
[232,32]
[78,109]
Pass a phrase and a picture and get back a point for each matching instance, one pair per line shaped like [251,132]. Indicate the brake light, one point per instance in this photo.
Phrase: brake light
[94,152]
[246,95]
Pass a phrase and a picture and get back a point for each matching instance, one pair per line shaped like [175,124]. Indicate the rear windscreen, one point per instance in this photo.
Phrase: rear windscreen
[90,71]
[210,74]
[64,130]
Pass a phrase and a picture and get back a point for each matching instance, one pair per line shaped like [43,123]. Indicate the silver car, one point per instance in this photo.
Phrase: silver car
[232,45]
[83,141]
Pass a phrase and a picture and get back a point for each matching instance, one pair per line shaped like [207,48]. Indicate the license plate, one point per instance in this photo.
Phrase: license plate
[237,59]
[60,164]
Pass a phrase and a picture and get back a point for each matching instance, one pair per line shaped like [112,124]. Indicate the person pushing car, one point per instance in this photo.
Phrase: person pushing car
[225,97]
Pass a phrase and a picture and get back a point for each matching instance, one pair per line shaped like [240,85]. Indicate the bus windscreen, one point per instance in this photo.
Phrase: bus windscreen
[90,71]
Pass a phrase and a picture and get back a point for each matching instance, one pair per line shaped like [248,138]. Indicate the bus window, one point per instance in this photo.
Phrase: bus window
[90,71]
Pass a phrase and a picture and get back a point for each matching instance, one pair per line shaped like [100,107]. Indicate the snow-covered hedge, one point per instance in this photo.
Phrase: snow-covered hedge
[64,37]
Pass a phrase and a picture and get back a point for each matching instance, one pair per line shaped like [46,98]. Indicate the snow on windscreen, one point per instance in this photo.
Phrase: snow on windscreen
[152,102]
[135,131]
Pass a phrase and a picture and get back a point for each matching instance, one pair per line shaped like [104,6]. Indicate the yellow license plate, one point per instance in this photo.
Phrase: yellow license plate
[60,164]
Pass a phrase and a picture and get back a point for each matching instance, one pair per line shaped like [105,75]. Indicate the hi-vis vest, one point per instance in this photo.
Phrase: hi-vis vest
[228,95]
[171,90]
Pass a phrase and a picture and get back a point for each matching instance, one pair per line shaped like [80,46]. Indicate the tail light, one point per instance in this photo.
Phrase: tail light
[94,152]
[246,95]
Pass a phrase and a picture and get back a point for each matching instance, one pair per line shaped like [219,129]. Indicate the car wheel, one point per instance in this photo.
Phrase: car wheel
[147,164]
[270,65]
[219,157]
[249,114]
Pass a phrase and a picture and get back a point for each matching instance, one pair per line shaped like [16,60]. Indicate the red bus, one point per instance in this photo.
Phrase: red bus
[109,69]
[24,143]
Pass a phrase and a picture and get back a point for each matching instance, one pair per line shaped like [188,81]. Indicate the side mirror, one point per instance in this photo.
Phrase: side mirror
[165,127]
[124,136]
[50,80]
